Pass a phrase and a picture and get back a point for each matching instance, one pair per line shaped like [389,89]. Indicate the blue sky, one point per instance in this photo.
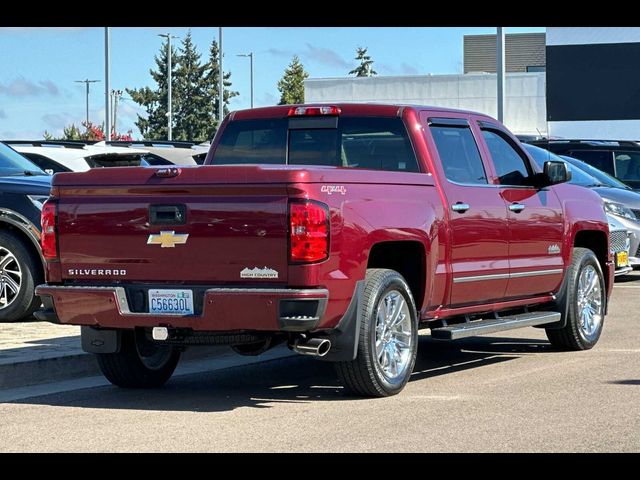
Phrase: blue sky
[40,65]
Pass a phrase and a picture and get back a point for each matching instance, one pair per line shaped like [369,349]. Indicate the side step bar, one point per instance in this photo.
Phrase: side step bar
[482,327]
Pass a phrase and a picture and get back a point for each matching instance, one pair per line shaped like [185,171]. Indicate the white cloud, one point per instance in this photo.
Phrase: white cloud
[21,87]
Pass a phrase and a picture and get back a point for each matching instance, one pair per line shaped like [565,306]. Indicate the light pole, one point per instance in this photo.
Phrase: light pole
[220,80]
[168,36]
[87,82]
[500,71]
[107,83]
[250,55]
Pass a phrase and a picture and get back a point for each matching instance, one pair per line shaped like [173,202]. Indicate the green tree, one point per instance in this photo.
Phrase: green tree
[154,126]
[291,85]
[191,117]
[212,91]
[365,69]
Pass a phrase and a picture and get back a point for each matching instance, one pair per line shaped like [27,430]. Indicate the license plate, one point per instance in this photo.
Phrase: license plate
[622,259]
[174,302]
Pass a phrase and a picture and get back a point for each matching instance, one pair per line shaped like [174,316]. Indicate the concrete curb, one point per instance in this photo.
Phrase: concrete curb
[72,366]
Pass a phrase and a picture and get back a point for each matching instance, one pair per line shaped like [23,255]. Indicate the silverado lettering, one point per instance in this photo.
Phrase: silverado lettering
[96,272]
[448,225]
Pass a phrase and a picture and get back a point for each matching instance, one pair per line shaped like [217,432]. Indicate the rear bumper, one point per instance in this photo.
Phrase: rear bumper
[223,309]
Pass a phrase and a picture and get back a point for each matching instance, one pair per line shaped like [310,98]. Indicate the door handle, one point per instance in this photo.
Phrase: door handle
[460,207]
[516,207]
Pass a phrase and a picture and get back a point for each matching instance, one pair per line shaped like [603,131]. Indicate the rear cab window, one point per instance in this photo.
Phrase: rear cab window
[377,143]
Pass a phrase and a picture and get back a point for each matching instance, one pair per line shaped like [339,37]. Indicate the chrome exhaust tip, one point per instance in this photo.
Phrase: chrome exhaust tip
[316,347]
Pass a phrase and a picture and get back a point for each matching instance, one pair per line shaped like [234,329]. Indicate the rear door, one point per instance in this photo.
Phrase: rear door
[534,216]
[478,246]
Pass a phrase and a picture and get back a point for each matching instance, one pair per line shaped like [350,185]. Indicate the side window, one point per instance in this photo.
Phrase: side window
[510,166]
[628,165]
[459,154]
[600,159]
[46,164]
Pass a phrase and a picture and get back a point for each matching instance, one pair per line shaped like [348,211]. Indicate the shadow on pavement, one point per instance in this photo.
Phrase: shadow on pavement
[625,382]
[289,380]
[630,278]
[34,349]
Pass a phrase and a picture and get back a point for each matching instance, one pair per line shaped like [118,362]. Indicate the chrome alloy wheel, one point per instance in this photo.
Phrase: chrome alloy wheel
[393,340]
[10,278]
[589,301]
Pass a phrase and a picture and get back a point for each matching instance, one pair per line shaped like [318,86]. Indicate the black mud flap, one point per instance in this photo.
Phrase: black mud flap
[344,338]
[96,340]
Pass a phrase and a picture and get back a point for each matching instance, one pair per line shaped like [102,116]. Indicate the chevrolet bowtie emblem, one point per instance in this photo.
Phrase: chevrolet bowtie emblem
[167,239]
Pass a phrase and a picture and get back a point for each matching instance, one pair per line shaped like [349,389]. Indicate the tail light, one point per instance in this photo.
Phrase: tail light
[314,111]
[49,236]
[309,231]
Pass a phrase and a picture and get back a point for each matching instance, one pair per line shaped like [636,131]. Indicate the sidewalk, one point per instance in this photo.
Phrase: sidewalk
[30,341]
[35,352]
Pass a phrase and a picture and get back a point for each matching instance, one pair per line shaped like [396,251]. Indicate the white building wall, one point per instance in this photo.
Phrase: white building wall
[525,110]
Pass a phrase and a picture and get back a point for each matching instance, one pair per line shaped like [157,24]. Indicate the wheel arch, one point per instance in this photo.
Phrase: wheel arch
[408,258]
[25,230]
[596,241]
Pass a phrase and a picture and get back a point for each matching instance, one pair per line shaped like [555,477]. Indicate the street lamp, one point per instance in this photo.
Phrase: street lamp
[87,82]
[168,36]
[250,55]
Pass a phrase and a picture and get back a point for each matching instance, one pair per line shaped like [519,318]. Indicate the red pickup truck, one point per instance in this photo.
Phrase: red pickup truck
[339,230]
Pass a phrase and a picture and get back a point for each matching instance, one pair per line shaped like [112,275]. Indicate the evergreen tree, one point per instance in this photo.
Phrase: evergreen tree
[212,95]
[365,69]
[191,116]
[154,127]
[291,85]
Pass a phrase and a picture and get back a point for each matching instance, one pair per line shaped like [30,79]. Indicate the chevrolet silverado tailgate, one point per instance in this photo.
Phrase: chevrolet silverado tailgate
[196,225]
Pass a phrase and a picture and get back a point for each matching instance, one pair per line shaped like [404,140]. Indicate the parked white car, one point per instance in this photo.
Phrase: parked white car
[62,156]
[178,153]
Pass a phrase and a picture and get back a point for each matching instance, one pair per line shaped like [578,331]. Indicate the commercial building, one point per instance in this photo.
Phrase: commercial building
[526,108]
[524,52]
[593,82]
[584,83]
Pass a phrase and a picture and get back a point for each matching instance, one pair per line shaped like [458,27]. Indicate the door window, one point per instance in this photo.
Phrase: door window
[459,154]
[511,166]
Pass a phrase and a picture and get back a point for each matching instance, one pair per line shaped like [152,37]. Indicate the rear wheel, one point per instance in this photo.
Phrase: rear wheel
[583,299]
[388,339]
[140,363]
[20,273]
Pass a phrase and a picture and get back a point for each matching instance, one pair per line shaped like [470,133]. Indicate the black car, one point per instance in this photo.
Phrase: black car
[23,189]
[618,158]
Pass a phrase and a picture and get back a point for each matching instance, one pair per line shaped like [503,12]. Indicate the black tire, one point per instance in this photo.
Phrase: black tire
[572,336]
[25,301]
[132,366]
[363,376]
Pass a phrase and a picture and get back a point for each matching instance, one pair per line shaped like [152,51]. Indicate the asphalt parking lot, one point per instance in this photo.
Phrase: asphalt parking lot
[504,393]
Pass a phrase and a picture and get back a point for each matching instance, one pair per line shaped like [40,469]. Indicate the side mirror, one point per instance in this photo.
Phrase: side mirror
[556,172]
